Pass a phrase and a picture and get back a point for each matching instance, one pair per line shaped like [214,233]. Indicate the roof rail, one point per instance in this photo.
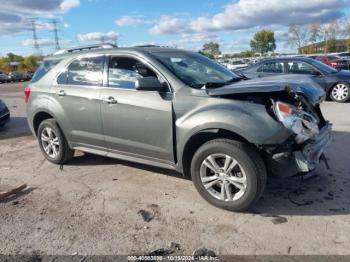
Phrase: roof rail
[87,47]
[147,46]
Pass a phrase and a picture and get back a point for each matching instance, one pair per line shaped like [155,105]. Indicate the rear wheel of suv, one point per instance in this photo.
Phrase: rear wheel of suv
[53,143]
[340,92]
[228,174]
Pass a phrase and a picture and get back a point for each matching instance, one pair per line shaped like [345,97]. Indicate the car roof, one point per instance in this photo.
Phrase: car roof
[283,59]
[135,49]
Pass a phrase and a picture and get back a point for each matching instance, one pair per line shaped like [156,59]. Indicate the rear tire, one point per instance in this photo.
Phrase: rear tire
[234,185]
[52,142]
[340,92]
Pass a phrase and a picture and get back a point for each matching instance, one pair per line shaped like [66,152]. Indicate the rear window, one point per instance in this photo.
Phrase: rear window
[45,67]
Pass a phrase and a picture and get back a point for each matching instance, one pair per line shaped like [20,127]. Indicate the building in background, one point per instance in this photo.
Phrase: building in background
[14,66]
[331,45]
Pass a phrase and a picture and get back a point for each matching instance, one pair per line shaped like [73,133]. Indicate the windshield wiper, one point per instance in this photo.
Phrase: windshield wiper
[235,79]
[209,85]
[220,84]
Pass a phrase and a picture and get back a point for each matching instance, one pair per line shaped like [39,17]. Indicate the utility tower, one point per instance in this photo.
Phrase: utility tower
[35,37]
[115,40]
[55,31]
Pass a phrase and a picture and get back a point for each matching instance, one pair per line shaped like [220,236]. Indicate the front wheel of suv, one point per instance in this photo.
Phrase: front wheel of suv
[52,142]
[228,174]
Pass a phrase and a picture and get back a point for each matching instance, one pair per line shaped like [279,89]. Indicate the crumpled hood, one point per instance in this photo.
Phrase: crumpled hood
[301,84]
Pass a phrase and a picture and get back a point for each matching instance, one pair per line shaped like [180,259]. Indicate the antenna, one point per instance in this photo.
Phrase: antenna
[55,31]
[35,37]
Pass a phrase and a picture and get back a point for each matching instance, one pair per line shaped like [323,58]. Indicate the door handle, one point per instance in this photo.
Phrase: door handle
[61,93]
[110,100]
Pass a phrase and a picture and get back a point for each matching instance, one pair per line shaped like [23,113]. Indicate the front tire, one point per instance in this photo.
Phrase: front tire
[340,92]
[52,142]
[228,174]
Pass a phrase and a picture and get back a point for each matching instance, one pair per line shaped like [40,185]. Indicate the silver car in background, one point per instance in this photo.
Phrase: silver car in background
[4,78]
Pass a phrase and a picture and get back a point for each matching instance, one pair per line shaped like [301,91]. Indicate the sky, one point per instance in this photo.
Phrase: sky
[178,23]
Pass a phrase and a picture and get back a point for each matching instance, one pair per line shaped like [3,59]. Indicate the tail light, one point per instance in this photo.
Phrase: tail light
[26,94]
[334,64]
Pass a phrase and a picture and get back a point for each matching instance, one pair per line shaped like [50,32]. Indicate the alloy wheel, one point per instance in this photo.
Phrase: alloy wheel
[223,177]
[50,142]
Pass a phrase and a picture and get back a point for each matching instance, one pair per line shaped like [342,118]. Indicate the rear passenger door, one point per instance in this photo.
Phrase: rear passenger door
[77,92]
[271,68]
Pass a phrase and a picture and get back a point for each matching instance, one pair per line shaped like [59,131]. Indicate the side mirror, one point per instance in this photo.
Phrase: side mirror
[150,83]
[316,73]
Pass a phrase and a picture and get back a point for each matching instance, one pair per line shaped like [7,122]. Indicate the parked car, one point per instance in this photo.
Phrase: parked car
[28,75]
[3,77]
[16,76]
[236,64]
[345,55]
[335,83]
[334,61]
[179,110]
[4,114]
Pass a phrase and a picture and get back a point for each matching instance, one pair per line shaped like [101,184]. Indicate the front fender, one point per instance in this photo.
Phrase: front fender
[248,120]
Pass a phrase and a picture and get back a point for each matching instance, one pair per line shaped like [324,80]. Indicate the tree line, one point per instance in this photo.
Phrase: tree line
[25,63]
[298,36]
[327,34]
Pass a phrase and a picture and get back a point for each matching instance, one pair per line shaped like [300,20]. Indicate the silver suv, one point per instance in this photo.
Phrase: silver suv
[178,110]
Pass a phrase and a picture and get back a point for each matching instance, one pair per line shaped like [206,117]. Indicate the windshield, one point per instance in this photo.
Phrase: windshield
[196,70]
[323,67]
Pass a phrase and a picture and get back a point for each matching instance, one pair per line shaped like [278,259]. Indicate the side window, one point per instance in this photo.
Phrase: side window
[85,71]
[62,78]
[124,71]
[298,67]
[272,67]
[45,67]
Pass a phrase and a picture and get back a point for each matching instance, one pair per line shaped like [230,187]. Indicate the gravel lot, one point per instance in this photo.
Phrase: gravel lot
[92,205]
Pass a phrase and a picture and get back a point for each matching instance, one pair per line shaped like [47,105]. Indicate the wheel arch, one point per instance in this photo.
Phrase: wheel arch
[198,139]
[42,115]
[38,118]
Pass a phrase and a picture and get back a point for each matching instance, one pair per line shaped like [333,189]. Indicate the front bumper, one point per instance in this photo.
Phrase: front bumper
[304,160]
[309,157]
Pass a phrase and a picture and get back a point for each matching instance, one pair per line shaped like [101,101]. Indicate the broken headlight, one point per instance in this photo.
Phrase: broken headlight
[303,124]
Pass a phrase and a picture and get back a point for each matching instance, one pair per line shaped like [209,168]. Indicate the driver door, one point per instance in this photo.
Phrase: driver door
[136,123]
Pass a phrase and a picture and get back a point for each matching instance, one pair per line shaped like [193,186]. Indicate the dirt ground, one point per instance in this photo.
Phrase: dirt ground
[92,206]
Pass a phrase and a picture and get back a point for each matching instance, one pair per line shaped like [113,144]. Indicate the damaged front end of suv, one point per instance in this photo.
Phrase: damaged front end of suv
[296,106]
